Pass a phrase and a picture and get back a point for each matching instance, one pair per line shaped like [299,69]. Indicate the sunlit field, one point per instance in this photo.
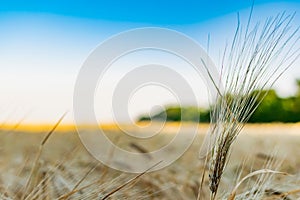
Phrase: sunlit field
[167,100]
[63,169]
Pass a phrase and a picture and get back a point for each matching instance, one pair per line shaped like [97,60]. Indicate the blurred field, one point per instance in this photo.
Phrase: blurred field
[66,171]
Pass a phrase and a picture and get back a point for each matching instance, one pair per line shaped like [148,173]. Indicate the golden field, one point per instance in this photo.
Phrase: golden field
[63,169]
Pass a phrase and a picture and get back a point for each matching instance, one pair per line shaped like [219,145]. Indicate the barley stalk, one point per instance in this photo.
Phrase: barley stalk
[255,173]
[30,182]
[258,57]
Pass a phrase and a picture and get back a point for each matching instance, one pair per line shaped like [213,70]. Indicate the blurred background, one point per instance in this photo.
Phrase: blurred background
[43,45]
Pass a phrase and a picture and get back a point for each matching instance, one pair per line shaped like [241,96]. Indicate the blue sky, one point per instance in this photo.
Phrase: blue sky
[44,43]
[155,12]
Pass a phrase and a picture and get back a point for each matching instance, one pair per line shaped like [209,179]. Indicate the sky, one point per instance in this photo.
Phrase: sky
[152,12]
[43,45]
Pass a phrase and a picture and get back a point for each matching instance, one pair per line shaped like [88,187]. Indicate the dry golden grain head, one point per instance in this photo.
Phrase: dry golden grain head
[257,58]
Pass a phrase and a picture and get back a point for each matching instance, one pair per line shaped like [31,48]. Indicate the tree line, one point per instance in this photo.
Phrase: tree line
[272,108]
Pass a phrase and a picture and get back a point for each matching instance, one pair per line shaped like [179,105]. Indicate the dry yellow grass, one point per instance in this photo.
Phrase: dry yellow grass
[66,168]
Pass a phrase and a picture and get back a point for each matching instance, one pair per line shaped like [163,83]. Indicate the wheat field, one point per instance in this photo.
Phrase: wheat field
[63,169]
